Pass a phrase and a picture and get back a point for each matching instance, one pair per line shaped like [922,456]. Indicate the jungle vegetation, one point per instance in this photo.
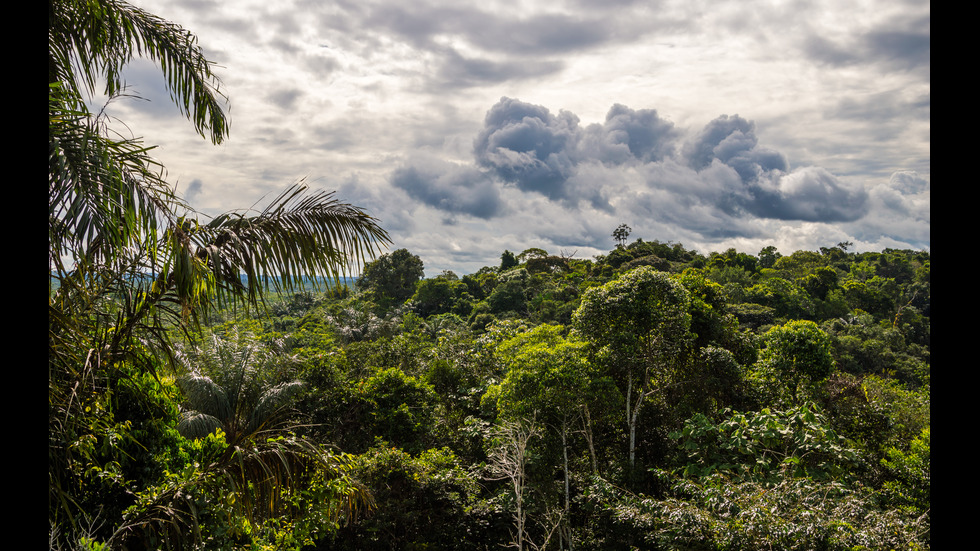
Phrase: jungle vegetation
[203,395]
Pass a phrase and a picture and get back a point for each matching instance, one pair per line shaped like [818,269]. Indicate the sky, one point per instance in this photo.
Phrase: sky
[470,128]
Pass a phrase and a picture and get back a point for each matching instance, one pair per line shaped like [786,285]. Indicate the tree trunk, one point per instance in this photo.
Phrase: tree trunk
[587,429]
[566,531]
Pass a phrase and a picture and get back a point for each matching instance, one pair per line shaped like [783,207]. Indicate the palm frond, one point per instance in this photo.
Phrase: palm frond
[301,235]
[194,424]
[206,397]
[93,39]
[104,194]
[271,403]
[269,471]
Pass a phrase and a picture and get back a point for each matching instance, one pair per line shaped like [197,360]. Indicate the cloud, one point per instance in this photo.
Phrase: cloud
[545,33]
[766,187]
[898,214]
[448,187]
[193,191]
[732,141]
[893,44]
[527,145]
[721,172]
[908,182]
[285,98]
[524,33]
[628,135]
[810,194]
[905,199]
[458,71]
[834,99]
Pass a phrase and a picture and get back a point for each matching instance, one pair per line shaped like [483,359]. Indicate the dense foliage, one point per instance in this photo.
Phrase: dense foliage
[635,400]
[650,398]
[677,408]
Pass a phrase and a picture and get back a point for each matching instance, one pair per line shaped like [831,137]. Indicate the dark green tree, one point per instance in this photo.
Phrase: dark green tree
[768,257]
[431,501]
[509,296]
[794,358]
[441,295]
[390,280]
[399,409]
[508,260]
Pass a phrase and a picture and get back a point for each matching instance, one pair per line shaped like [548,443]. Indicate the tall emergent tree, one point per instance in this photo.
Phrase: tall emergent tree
[641,325]
[125,265]
[621,234]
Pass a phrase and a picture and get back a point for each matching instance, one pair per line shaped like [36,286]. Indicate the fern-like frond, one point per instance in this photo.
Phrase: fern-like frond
[205,396]
[270,404]
[194,424]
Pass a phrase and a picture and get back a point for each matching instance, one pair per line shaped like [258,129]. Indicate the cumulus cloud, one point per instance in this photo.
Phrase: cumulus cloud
[722,167]
[628,135]
[732,141]
[908,182]
[894,220]
[766,187]
[527,145]
[343,88]
[811,194]
[900,208]
[635,164]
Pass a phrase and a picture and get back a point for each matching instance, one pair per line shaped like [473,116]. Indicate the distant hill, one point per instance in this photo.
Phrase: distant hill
[309,284]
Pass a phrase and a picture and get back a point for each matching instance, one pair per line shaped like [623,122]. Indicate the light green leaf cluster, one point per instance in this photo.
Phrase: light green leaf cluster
[766,445]
[546,370]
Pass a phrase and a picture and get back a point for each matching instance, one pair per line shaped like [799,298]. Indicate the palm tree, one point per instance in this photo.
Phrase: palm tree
[126,267]
[236,384]
[105,192]
[112,213]
[245,389]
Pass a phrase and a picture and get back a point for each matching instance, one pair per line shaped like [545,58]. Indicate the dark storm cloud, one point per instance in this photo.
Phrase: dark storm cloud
[527,145]
[450,188]
[732,141]
[766,187]
[629,134]
[722,168]
[541,152]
